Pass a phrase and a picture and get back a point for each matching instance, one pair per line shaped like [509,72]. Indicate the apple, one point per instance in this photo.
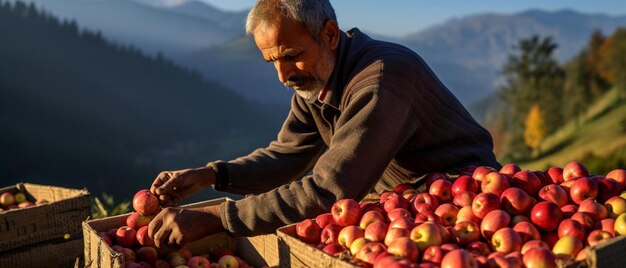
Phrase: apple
[147,254]
[19,197]
[404,247]
[598,236]
[465,232]
[334,249]
[227,261]
[515,201]
[400,188]
[620,225]
[145,202]
[177,260]
[607,225]
[527,231]
[136,220]
[585,220]
[395,233]
[395,201]
[619,175]
[7,199]
[464,184]
[481,171]
[527,181]
[583,254]
[370,217]
[431,217]
[25,204]
[509,170]
[519,218]
[506,240]
[393,261]
[494,221]
[615,206]
[324,219]
[484,203]
[464,199]
[434,176]
[607,188]
[539,257]
[574,170]
[458,258]
[161,264]
[447,213]
[442,190]
[543,178]
[572,228]
[433,254]
[399,213]
[308,231]
[596,210]
[376,231]
[426,234]
[370,251]
[555,174]
[422,202]
[553,193]
[367,206]
[546,216]
[494,182]
[330,234]
[534,244]
[347,212]
[466,214]
[402,223]
[357,244]
[567,246]
[479,248]
[569,210]
[143,238]
[125,236]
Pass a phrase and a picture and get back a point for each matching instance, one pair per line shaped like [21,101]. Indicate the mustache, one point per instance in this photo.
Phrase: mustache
[295,81]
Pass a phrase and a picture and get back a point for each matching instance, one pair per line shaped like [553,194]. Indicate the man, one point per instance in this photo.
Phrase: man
[367,115]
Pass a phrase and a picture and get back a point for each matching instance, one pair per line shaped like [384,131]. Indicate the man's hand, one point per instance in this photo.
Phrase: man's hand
[173,186]
[176,227]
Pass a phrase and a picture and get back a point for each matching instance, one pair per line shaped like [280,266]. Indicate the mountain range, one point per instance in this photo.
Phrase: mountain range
[467,53]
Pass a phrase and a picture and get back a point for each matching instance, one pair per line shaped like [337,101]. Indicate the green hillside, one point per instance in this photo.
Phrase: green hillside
[597,137]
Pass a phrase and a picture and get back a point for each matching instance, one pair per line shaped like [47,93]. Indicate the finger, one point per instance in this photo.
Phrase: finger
[170,203]
[160,179]
[154,226]
[169,186]
[175,239]
[162,237]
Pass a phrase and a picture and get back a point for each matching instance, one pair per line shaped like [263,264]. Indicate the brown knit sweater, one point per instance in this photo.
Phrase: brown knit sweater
[386,119]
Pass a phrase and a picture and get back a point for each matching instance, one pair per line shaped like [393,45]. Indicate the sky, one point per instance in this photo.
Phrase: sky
[384,16]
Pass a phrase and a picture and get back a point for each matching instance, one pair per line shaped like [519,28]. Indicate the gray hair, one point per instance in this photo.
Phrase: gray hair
[312,13]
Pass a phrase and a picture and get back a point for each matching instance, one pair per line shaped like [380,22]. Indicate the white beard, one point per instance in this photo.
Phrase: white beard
[309,96]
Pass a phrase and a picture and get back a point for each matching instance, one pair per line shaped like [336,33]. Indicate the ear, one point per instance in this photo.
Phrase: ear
[330,34]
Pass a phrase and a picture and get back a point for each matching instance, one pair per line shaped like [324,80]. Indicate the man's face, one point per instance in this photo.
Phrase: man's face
[302,63]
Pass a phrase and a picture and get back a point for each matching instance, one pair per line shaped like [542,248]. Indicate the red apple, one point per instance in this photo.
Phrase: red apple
[598,236]
[426,234]
[442,190]
[404,247]
[484,203]
[506,240]
[333,249]
[376,231]
[572,228]
[136,220]
[161,264]
[479,248]
[367,206]
[145,202]
[395,233]
[147,254]
[519,218]
[607,225]
[584,219]
[349,234]
[466,214]
[553,193]
[494,221]
[596,210]
[308,231]
[402,223]
[7,199]
[509,170]
[515,201]
[447,213]
[464,184]
[177,260]
[370,251]
[481,171]
[555,174]
[423,202]
[330,234]
[569,210]
[143,238]
[371,217]
[546,216]
[527,231]
[395,201]
[125,236]
[533,244]
[465,232]
[607,188]
[539,257]
[399,213]
[543,178]
[400,188]
[494,182]
[347,212]
[574,170]
[615,206]
[464,199]
[393,261]
[527,181]
[434,254]
[434,176]
[619,175]
[458,258]
[324,219]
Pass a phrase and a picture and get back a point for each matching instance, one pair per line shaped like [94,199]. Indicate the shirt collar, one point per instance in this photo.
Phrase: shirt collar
[331,94]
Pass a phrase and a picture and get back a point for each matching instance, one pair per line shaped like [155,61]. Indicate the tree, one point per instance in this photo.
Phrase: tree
[613,53]
[535,127]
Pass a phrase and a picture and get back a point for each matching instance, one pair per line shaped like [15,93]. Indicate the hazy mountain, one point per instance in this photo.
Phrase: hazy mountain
[174,30]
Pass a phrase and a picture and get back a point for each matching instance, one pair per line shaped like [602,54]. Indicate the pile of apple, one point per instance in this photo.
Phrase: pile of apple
[139,250]
[482,218]
[9,201]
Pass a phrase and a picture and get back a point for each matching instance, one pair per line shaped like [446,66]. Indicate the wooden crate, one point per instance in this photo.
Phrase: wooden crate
[54,221]
[258,251]
[62,253]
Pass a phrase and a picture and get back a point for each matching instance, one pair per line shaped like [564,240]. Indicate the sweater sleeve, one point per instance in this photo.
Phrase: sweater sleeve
[286,159]
[370,131]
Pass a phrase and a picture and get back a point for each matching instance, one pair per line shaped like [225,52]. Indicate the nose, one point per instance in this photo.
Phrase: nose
[284,69]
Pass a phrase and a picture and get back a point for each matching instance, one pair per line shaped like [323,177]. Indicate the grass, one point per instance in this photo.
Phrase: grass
[599,132]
